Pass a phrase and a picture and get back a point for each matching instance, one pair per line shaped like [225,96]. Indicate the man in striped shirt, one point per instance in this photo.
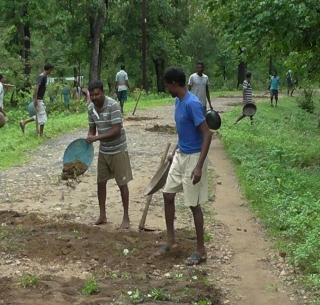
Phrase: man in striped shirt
[105,125]
[246,95]
[247,89]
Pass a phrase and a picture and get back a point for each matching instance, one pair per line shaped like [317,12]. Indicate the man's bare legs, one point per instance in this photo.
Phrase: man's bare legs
[102,195]
[124,190]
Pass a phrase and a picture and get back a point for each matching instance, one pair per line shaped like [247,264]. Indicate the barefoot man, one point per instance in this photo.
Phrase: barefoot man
[188,172]
[105,125]
[38,101]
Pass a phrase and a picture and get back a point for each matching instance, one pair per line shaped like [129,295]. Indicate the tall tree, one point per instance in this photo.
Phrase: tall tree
[17,14]
[97,15]
[144,44]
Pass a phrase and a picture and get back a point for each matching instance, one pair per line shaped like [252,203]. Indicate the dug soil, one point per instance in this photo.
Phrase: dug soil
[47,233]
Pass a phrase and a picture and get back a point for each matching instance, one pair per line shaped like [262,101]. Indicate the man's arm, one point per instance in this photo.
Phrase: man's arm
[208,96]
[111,134]
[92,131]
[36,89]
[207,136]
[35,95]
[127,81]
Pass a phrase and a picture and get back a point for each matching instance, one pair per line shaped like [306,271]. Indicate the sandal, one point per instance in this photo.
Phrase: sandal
[195,259]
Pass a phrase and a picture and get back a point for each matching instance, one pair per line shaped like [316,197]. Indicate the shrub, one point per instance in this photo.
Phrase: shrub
[306,101]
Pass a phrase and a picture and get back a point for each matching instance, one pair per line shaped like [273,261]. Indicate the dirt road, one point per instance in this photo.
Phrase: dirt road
[46,231]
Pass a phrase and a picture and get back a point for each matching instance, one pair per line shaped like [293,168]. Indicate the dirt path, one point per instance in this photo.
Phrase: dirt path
[254,281]
[50,233]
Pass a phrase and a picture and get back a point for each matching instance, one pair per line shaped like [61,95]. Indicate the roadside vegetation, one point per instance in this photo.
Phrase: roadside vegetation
[278,164]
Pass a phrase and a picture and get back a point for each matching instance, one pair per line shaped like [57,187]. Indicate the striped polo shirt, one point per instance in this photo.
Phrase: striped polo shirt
[247,92]
[109,115]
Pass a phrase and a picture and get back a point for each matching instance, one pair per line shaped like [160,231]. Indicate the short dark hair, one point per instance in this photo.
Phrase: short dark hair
[95,84]
[1,76]
[48,66]
[175,75]
[200,63]
[122,67]
[248,74]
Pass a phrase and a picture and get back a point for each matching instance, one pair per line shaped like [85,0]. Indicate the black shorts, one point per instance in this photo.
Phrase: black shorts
[274,93]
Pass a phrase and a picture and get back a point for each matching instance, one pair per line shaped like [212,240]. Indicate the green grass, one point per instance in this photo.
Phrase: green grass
[16,148]
[278,163]
[90,287]
[29,281]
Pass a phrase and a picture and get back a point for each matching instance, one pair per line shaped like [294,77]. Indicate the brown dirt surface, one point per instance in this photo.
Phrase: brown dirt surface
[162,128]
[47,231]
[140,118]
[37,237]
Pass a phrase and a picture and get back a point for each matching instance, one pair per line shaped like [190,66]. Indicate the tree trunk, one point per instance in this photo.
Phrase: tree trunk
[79,74]
[27,47]
[159,65]
[25,36]
[97,19]
[75,74]
[144,44]
[270,66]
[242,68]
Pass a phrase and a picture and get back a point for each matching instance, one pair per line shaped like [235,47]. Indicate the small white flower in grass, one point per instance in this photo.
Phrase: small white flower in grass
[194,277]
[129,293]
[125,252]
[149,295]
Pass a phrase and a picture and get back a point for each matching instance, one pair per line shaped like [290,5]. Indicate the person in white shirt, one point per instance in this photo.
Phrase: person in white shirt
[122,86]
[199,85]
[2,87]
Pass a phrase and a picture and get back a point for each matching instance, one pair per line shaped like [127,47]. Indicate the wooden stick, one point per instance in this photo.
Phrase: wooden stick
[135,107]
[149,197]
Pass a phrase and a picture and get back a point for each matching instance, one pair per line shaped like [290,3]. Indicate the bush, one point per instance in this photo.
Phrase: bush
[306,101]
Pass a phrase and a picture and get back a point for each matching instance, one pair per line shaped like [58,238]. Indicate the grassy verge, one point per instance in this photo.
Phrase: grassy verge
[278,164]
[16,147]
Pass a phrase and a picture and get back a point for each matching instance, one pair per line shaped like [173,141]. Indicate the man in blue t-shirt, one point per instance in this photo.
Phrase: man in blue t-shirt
[274,88]
[188,171]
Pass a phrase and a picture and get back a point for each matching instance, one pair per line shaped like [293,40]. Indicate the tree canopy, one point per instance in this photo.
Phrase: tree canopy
[92,38]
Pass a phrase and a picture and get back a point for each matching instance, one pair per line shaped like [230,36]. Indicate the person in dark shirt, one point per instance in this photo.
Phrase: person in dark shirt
[38,101]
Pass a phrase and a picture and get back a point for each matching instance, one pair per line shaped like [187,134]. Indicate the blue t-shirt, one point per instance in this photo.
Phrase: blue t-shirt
[188,116]
[275,82]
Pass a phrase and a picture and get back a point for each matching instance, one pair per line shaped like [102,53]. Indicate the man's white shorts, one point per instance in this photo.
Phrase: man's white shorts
[41,113]
[179,179]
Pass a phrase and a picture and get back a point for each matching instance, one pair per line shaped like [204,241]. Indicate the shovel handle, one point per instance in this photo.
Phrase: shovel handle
[149,197]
